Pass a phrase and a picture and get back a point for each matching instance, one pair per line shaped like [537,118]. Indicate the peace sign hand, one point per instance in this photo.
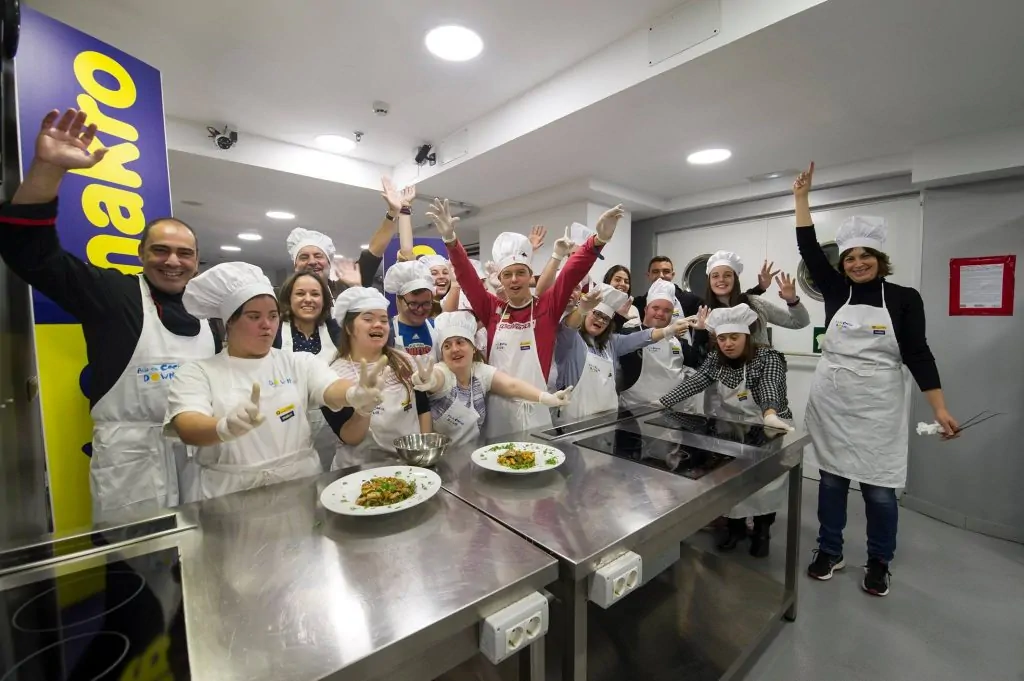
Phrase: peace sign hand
[425,379]
[366,395]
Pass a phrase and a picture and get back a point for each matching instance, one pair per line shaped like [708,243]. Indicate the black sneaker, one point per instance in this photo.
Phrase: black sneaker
[824,564]
[876,578]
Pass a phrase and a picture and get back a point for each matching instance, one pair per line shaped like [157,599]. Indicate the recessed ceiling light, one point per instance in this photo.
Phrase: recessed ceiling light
[364,246]
[249,236]
[454,43]
[707,156]
[230,248]
[336,144]
[774,175]
[280,215]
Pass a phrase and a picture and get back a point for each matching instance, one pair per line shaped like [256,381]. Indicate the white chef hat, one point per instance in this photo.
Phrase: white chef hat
[358,299]
[512,248]
[480,272]
[732,319]
[579,233]
[300,238]
[662,290]
[406,277]
[434,260]
[725,258]
[452,324]
[224,288]
[611,300]
[864,231]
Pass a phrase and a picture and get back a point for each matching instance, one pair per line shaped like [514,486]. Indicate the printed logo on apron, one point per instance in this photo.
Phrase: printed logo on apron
[150,375]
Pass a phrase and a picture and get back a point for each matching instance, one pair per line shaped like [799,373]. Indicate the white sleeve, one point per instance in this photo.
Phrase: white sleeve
[449,379]
[316,375]
[191,390]
[485,374]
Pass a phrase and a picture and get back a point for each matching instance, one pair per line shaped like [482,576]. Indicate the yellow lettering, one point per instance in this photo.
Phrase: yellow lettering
[103,205]
[105,123]
[111,169]
[102,246]
[86,66]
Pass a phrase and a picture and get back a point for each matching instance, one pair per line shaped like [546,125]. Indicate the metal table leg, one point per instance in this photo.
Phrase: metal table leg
[531,662]
[574,659]
[793,536]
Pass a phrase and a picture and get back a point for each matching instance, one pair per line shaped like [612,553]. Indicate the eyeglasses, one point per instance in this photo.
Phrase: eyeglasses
[419,306]
[601,318]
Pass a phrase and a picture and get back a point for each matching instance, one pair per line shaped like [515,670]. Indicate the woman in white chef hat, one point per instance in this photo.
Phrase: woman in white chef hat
[368,436]
[587,351]
[441,271]
[857,413]
[456,301]
[459,384]
[749,383]
[245,408]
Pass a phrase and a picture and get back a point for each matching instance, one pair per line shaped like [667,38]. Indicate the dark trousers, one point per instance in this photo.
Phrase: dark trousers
[738,526]
[880,506]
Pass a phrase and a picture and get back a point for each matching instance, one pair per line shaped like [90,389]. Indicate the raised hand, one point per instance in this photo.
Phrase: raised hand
[681,326]
[408,195]
[607,223]
[702,318]
[764,277]
[624,310]
[392,196]
[563,245]
[424,378]
[802,184]
[589,301]
[242,419]
[558,399]
[366,394]
[787,288]
[537,235]
[64,143]
[347,271]
[441,215]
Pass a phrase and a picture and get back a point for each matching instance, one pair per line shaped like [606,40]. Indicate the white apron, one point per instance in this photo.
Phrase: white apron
[267,463]
[391,419]
[133,465]
[460,421]
[595,391]
[514,351]
[662,371]
[400,344]
[737,404]
[857,411]
[324,439]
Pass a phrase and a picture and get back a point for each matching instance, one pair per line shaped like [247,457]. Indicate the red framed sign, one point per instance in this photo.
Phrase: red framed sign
[982,286]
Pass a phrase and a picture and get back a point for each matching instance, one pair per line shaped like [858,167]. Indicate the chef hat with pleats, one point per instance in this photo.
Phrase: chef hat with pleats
[512,248]
[300,238]
[725,258]
[221,290]
[611,299]
[455,324]
[579,233]
[434,260]
[863,231]
[731,319]
[662,290]
[358,299]
[406,277]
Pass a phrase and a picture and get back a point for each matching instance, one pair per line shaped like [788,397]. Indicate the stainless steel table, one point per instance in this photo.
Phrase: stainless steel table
[595,507]
[277,588]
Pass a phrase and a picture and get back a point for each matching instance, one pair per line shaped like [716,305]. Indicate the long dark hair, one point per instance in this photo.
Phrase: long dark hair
[749,350]
[397,361]
[615,269]
[600,341]
[284,297]
[736,296]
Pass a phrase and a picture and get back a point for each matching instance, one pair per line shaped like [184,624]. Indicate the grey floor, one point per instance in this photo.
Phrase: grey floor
[955,610]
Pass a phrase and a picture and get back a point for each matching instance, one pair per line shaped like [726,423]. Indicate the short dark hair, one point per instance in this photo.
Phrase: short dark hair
[144,235]
[284,296]
[884,264]
[749,350]
[238,313]
[659,258]
[615,269]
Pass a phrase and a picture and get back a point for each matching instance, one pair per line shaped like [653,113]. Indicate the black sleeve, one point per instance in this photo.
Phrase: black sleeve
[689,303]
[830,282]
[422,402]
[756,291]
[337,419]
[630,365]
[368,266]
[693,355]
[333,330]
[618,321]
[913,342]
[277,338]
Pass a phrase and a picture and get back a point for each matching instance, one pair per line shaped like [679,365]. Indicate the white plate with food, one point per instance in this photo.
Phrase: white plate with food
[518,457]
[379,491]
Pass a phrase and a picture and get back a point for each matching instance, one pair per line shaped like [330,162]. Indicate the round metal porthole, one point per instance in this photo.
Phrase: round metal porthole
[695,276]
[803,277]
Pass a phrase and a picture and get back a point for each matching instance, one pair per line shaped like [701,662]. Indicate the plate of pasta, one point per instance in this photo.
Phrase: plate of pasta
[379,491]
[518,457]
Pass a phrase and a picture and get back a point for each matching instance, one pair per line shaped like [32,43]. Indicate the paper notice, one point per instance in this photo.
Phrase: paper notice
[981,286]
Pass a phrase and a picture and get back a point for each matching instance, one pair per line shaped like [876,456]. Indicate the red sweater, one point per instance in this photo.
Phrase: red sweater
[547,308]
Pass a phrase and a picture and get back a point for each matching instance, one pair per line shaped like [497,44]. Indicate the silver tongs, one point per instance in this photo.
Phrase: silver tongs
[975,420]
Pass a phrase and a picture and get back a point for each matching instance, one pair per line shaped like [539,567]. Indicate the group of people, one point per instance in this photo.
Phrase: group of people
[272,385]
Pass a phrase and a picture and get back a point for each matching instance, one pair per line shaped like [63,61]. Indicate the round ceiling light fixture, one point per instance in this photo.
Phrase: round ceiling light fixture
[280,215]
[233,249]
[249,236]
[336,144]
[454,43]
[708,156]
[364,246]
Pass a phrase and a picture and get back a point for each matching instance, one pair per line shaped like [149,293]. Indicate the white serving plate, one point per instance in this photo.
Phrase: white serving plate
[340,496]
[487,457]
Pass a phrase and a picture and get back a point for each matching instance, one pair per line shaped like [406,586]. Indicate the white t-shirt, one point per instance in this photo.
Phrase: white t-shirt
[482,372]
[291,383]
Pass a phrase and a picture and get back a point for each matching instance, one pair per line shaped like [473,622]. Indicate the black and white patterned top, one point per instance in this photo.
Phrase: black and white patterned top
[300,343]
[766,380]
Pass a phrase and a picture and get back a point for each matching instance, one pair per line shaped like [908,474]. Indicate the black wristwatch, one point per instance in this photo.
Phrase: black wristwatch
[389,216]
[795,302]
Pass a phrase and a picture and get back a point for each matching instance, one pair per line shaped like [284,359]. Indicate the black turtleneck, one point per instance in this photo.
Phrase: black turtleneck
[107,303]
[903,303]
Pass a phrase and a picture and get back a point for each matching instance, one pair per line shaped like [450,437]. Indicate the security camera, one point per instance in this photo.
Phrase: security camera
[423,155]
[224,140]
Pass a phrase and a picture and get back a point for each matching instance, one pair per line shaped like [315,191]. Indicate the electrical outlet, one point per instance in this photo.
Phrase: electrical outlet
[513,628]
[611,582]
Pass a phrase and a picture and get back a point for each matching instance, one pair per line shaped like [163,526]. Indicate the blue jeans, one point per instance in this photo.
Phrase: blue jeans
[880,506]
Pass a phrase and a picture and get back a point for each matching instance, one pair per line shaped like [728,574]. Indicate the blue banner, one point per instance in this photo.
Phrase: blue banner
[420,246]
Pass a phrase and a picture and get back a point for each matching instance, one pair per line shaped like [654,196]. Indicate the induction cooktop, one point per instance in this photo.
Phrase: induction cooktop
[744,433]
[590,424]
[690,462]
[121,620]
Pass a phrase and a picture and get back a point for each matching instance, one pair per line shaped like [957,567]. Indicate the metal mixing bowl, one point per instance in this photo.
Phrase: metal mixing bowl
[422,449]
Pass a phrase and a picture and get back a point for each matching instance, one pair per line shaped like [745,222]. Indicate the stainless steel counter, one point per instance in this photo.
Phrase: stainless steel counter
[277,588]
